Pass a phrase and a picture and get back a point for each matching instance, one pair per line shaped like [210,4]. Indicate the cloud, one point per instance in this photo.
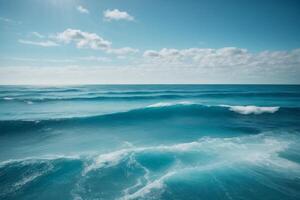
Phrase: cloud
[192,65]
[117,15]
[83,39]
[46,43]
[83,10]
[91,41]
[224,57]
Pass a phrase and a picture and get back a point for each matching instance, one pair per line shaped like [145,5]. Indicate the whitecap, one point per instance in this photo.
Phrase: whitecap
[166,104]
[8,98]
[246,110]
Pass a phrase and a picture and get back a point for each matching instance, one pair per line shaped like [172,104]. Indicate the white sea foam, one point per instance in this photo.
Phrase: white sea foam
[107,160]
[156,184]
[246,110]
[165,104]
[140,181]
[8,98]
[34,159]
[258,149]
[27,179]
[262,150]
[254,150]
[159,183]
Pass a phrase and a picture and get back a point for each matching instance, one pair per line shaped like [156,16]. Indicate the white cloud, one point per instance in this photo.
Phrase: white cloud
[92,41]
[193,65]
[117,15]
[47,43]
[83,10]
[83,39]
[223,57]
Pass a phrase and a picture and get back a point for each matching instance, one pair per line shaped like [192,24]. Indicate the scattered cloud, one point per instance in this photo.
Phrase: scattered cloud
[193,65]
[117,15]
[224,57]
[46,43]
[82,9]
[83,39]
[91,41]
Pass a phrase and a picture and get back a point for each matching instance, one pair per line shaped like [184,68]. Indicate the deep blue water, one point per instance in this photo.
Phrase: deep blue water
[150,142]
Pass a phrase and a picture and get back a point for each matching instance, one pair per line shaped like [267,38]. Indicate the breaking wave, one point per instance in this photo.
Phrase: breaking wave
[201,157]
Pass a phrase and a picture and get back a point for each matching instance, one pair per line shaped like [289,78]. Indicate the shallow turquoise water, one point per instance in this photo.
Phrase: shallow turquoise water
[150,142]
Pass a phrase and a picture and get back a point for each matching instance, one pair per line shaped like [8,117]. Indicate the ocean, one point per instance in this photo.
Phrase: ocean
[164,142]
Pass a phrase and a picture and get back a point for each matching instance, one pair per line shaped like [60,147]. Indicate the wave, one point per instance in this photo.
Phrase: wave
[259,150]
[98,98]
[154,111]
[36,90]
[257,147]
[171,160]
[245,110]
[106,96]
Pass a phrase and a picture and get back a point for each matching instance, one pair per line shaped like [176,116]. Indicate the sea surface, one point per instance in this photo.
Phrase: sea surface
[164,142]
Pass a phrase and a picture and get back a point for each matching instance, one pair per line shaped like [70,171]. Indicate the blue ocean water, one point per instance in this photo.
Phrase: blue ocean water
[181,142]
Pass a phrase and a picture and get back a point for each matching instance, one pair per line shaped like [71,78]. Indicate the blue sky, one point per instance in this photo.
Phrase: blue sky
[139,41]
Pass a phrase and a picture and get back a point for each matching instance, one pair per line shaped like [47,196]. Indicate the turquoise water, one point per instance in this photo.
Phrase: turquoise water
[150,142]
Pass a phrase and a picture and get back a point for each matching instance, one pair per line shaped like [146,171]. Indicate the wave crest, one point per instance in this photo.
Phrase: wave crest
[246,110]
[166,104]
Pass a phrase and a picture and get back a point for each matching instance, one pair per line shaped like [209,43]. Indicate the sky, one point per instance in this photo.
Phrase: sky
[47,42]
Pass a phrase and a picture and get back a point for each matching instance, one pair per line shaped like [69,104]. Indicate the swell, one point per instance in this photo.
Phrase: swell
[161,111]
[144,95]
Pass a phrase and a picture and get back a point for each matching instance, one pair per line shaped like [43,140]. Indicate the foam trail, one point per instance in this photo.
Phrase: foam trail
[159,183]
[28,160]
[27,180]
[145,177]
[156,184]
